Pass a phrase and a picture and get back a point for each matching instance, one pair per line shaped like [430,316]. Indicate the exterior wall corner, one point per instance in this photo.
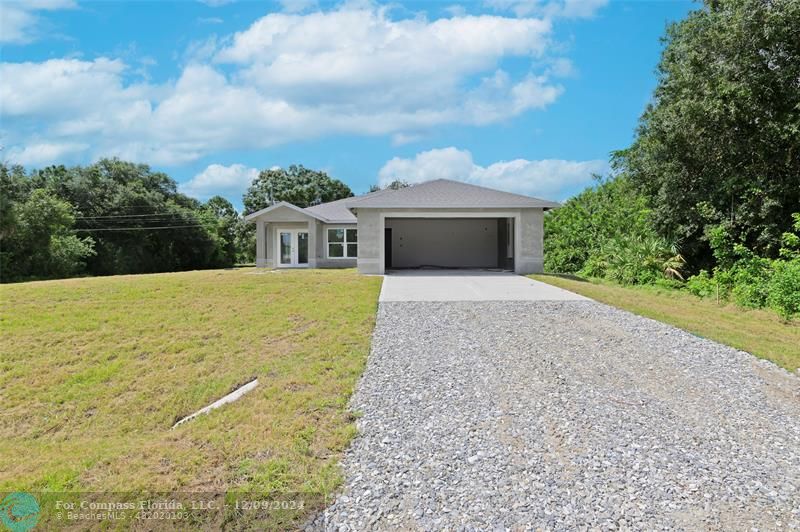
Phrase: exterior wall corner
[370,241]
[529,258]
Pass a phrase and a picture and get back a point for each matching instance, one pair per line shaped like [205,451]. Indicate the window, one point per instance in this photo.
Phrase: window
[342,243]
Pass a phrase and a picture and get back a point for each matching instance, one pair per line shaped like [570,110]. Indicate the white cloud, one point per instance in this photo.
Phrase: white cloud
[351,70]
[298,6]
[38,154]
[19,21]
[401,139]
[228,181]
[59,88]
[548,178]
[348,49]
[581,8]
[69,102]
[549,8]
[456,10]
[562,68]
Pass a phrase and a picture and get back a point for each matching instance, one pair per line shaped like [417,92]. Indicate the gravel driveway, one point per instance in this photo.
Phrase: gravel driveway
[563,415]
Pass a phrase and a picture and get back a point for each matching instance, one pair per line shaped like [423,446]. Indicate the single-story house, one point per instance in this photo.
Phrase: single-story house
[441,223]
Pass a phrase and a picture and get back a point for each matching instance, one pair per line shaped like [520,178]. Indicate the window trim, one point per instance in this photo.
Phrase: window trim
[344,242]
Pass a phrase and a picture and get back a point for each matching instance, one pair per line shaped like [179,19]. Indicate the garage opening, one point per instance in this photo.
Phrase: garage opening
[449,243]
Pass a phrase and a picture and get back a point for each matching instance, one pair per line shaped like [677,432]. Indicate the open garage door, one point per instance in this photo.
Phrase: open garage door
[449,243]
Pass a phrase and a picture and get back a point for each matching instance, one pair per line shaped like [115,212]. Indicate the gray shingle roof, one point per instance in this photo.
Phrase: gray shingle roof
[441,194]
[446,194]
[333,211]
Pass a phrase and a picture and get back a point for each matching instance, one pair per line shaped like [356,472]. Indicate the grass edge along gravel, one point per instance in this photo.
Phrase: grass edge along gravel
[759,332]
[96,371]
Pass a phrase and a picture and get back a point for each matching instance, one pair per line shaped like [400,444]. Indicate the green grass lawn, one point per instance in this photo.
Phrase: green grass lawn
[96,371]
[759,332]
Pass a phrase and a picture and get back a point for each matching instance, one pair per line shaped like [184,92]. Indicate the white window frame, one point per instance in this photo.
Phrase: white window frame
[344,242]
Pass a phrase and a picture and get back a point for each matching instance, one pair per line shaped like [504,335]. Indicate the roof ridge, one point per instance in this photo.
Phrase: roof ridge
[349,198]
[482,187]
[375,193]
[443,193]
[400,195]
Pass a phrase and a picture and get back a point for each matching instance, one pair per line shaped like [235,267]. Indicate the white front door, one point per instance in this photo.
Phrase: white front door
[292,248]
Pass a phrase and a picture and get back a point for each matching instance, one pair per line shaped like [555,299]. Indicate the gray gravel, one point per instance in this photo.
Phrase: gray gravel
[565,415]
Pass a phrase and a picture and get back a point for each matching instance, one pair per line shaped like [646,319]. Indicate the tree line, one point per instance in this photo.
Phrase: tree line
[117,217]
[709,190]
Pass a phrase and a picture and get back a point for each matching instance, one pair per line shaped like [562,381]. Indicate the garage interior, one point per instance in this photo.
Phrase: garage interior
[451,243]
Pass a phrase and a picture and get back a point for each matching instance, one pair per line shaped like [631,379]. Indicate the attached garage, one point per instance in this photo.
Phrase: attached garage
[448,243]
[449,224]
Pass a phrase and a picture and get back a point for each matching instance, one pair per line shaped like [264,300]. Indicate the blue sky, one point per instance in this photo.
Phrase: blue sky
[529,96]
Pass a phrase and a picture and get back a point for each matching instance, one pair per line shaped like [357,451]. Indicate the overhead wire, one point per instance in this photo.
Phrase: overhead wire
[136,228]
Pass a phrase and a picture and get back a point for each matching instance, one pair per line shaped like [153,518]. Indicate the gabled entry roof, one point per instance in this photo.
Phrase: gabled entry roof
[282,204]
[446,194]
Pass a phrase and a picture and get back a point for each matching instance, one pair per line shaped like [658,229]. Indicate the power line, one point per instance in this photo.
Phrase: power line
[138,222]
[129,215]
[138,228]
[94,209]
[134,223]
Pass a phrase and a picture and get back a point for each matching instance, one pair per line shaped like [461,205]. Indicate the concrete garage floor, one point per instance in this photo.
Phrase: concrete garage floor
[468,285]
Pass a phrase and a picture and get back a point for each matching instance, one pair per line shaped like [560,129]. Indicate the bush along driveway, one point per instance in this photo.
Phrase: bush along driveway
[563,415]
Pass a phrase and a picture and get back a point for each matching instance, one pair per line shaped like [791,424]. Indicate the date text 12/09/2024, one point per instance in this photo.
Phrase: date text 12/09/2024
[165,509]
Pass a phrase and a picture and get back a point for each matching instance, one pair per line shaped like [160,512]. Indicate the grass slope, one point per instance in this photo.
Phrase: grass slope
[759,332]
[96,371]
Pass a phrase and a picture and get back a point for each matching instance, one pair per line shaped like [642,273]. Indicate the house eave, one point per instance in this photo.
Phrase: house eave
[252,216]
[451,207]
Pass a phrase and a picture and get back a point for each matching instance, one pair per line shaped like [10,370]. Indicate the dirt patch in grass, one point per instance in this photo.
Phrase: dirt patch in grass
[759,332]
[95,371]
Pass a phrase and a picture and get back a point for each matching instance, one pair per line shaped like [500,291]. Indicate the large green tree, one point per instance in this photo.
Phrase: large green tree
[224,224]
[297,185]
[139,220]
[130,218]
[720,143]
[39,241]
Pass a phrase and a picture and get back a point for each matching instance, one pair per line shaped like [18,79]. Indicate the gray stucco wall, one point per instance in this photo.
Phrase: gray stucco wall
[262,245]
[369,241]
[284,214]
[530,257]
[447,242]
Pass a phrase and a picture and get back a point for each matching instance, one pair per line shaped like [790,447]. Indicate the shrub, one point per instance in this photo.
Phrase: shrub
[672,284]
[575,232]
[635,260]
[784,289]
[750,278]
[702,285]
